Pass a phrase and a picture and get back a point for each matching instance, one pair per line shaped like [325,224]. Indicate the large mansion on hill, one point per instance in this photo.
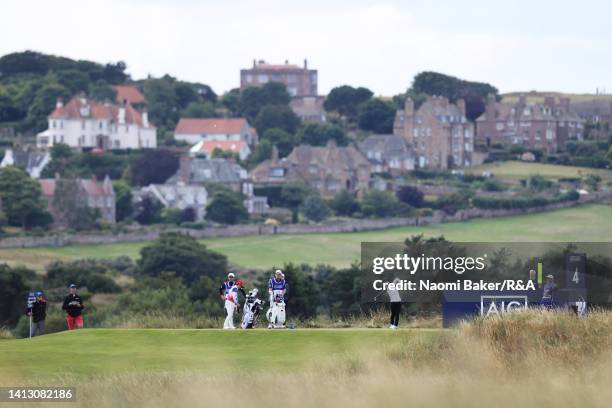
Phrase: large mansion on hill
[83,123]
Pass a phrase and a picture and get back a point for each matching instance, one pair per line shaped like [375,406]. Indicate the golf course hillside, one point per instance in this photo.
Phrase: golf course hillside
[583,223]
[103,352]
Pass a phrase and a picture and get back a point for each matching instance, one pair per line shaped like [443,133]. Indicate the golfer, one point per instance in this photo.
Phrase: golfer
[73,305]
[39,314]
[229,295]
[548,292]
[395,304]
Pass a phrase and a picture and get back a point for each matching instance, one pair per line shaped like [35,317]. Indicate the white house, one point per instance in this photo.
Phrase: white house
[192,130]
[205,148]
[32,162]
[179,196]
[83,123]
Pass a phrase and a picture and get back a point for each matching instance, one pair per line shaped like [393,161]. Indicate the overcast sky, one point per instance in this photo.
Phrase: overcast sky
[514,45]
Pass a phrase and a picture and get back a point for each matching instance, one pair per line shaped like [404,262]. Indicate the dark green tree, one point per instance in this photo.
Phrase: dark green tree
[280,138]
[345,100]
[21,199]
[344,203]
[183,255]
[226,208]
[376,116]
[123,200]
[314,208]
[318,134]
[276,116]
[154,166]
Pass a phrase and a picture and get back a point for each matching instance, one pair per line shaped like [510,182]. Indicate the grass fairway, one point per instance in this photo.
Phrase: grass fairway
[102,352]
[583,223]
[515,170]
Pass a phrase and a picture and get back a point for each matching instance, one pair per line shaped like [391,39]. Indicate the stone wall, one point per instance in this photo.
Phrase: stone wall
[59,240]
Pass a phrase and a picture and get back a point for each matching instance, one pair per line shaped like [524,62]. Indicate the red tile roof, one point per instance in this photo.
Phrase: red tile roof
[226,145]
[97,110]
[91,187]
[129,93]
[210,126]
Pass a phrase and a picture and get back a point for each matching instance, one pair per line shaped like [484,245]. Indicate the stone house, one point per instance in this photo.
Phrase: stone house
[90,193]
[179,197]
[545,126]
[329,169]
[438,132]
[387,153]
[203,171]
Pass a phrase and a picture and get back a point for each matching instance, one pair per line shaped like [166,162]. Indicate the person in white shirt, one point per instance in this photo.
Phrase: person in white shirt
[395,304]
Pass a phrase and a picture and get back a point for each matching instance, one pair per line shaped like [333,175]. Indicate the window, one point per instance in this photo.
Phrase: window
[262,78]
[53,124]
[82,125]
[500,126]
[313,169]
[277,172]
[117,143]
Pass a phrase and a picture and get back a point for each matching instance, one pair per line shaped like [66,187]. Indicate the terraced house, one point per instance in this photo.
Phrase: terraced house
[83,123]
[438,132]
[329,169]
[546,126]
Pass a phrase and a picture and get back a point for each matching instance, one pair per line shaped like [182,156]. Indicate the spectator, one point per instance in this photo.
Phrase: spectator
[39,314]
[395,304]
[73,305]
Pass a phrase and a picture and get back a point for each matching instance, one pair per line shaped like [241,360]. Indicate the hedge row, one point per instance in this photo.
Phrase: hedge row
[499,203]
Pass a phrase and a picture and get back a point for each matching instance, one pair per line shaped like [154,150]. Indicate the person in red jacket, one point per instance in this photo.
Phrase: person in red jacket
[73,305]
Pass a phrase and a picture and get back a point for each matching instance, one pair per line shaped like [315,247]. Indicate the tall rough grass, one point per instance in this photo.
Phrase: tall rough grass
[5,334]
[524,359]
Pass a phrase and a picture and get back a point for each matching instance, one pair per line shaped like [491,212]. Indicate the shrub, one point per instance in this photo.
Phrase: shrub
[314,208]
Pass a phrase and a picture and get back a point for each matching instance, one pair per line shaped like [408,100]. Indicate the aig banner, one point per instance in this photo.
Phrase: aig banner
[480,278]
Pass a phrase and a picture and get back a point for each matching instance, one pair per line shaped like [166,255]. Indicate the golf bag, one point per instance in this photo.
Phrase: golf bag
[276,313]
[252,308]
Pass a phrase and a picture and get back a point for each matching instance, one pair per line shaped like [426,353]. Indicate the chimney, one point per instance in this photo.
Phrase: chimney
[185,169]
[564,103]
[286,62]
[145,119]
[121,115]
[59,103]
[522,99]
[461,105]
[409,107]
[490,107]
[305,63]
[254,63]
[549,101]
[274,155]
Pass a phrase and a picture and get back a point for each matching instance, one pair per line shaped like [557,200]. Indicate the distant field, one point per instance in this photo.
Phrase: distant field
[519,170]
[539,96]
[583,223]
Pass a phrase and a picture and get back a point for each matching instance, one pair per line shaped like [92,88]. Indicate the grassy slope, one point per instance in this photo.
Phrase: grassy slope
[584,223]
[520,170]
[108,351]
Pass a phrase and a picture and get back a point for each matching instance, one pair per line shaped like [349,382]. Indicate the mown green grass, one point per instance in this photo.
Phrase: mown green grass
[102,352]
[515,170]
[584,223]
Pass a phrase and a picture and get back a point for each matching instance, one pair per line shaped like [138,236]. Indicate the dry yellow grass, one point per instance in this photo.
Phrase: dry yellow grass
[526,359]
